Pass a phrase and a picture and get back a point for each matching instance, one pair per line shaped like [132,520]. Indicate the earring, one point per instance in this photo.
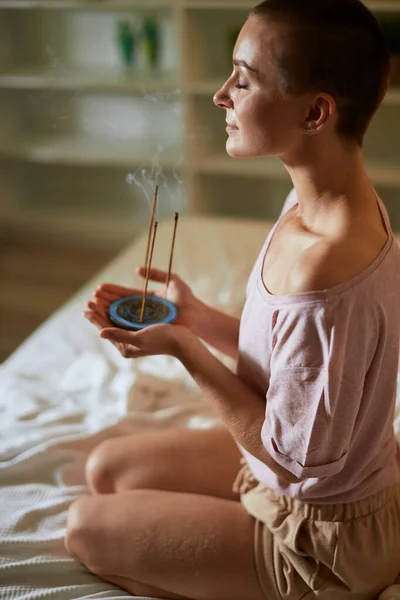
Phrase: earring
[309,130]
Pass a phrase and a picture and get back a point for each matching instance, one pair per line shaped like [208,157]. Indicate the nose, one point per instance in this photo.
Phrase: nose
[222,97]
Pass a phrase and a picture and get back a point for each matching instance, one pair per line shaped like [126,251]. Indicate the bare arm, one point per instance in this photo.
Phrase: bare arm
[218,329]
[242,410]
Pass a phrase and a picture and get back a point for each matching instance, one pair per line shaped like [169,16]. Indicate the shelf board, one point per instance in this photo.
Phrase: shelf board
[96,5]
[204,88]
[251,167]
[86,151]
[387,175]
[102,5]
[89,80]
[77,225]
[220,4]
[383,5]
[380,174]
[392,96]
[374,5]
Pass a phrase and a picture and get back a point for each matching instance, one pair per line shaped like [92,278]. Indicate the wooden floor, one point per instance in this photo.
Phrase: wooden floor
[36,277]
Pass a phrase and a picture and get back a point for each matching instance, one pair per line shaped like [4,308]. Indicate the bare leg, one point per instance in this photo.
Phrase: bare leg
[192,461]
[185,460]
[140,589]
[181,545]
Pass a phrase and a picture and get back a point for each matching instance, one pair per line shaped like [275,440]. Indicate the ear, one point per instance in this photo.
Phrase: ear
[320,111]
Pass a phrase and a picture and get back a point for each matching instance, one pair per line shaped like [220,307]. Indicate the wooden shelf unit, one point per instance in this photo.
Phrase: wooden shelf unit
[75,113]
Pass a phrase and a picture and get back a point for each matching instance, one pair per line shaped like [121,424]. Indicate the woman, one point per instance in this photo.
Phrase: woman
[315,508]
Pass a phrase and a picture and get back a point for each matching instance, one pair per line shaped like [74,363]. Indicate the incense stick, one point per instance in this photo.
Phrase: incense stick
[148,272]
[153,210]
[172,253]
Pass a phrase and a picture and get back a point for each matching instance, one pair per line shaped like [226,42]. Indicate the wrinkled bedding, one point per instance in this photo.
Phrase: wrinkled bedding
[65,390]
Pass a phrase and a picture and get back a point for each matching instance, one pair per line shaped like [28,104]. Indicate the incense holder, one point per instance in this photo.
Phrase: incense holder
[125,312]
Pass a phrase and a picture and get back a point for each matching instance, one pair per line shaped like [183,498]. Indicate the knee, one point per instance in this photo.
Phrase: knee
[74,525]
[118,465]
[100,469]
[79,539]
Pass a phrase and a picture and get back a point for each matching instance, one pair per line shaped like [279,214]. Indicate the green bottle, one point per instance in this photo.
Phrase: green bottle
[151,41]
[126,41]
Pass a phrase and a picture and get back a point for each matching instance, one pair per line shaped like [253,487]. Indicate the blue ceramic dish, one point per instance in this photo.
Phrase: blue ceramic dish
[125,312]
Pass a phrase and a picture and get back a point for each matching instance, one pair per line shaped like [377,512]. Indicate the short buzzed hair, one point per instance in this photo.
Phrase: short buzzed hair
[336,47]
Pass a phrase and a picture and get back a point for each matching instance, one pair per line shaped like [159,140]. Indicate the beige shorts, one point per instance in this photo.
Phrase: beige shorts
[326,551]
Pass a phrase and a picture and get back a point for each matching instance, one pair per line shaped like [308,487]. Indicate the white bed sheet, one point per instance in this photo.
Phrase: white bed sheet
[64,390]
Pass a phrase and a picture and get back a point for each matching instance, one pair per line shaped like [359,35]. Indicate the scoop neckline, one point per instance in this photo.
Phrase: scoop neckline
[318,295]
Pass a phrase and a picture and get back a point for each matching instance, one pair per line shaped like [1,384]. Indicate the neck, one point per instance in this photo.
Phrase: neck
[329,182]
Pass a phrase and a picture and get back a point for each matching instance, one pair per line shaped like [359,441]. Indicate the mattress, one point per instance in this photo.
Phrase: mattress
[65,390]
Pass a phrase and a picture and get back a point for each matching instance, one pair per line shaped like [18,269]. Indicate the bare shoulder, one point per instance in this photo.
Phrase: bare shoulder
[326,264]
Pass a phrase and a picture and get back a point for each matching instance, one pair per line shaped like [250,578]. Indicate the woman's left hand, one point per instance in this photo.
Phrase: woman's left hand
[153,340]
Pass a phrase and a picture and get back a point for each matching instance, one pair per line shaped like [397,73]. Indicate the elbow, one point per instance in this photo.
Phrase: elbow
[288,476]
[293,479]
[280,471]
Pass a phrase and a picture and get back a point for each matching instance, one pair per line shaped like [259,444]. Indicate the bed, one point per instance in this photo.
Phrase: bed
[65,390]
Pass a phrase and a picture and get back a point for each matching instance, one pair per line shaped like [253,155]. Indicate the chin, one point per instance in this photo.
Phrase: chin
[241,153]
[233,153]
[236,150]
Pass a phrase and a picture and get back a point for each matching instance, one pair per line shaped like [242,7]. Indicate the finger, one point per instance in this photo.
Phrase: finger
[100,309]
[119,290]
[106,299]
[132,353]
[111,294]
[106,296]
[95,320]
[90,316]
[95,314]
[99,302]
[155,274]
[116,334]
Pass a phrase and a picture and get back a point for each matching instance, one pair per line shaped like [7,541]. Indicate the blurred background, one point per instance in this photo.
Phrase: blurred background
[102,99]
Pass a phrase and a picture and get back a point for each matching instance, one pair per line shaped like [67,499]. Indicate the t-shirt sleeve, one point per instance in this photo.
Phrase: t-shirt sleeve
[311,405]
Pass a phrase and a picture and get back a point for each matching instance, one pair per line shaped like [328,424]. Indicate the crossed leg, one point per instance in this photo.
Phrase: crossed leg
[163,521]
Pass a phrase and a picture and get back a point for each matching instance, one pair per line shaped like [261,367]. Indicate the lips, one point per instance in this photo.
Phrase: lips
[231,129]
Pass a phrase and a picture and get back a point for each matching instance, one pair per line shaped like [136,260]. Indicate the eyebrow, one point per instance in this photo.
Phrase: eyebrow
[243,63]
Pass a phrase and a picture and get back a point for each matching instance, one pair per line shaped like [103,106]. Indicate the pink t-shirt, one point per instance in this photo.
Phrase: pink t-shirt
[327,363]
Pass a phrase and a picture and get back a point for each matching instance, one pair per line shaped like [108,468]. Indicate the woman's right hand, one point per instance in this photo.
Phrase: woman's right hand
[190,308]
